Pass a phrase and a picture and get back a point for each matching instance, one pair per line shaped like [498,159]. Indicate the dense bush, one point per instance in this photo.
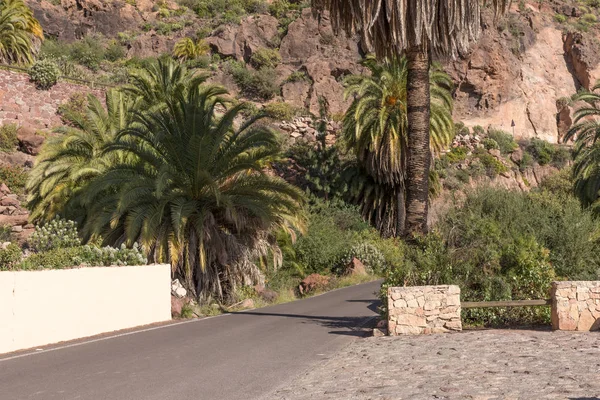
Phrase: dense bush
[88,52]
[44,73]
[56,234]
[280,110]
[9,257]
[501,245]
[506,142]
[371,257]
[265,58]
[14,177]
[261,84]
[8,137]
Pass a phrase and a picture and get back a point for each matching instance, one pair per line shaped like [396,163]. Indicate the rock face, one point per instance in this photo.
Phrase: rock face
[311,47]
[423,309]
[240,42]
[22,104]
[575,306]
[13,215]
[582,54]
[73,19]
[496,86]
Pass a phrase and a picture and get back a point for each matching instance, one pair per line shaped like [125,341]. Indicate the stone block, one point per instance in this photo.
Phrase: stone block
[575,305]
[423,310]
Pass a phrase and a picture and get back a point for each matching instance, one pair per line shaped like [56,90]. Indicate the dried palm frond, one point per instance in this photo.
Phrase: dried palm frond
[389,27]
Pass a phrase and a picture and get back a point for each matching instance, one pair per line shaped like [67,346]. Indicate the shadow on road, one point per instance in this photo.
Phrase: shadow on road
[349,326]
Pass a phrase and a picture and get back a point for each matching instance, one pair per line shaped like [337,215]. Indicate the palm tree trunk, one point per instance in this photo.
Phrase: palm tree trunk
[417,190]
[400,211]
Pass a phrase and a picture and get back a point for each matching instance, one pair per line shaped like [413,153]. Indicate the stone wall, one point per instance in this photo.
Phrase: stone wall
[575,306]
[423,309]
[22,104]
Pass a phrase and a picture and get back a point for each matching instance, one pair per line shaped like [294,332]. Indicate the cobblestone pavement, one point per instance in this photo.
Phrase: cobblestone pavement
[480,364]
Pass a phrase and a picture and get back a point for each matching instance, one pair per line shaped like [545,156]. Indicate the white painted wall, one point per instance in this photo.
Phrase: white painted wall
[43,307]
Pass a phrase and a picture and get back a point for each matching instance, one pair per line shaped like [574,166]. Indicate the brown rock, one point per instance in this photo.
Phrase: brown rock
[4,189]
[8,201]
[177,305]
[355,267]
[13,220]
[247,304]
[313,282]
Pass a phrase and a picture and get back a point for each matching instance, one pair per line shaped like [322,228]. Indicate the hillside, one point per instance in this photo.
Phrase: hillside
[522,66]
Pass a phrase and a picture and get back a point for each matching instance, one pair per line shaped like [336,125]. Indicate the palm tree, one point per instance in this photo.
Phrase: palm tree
[586,133]
[19,31]
[186,49]
[68,162]
[193,191]
[418,29]
[375,128]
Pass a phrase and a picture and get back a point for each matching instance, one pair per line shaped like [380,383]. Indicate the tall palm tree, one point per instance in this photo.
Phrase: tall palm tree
[375,128]
[418,29]
[586,133]
[68,162]
[193,191]
[20,32]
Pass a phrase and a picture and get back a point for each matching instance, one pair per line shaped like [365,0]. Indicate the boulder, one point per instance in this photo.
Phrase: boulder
[247,304]
[313,282]
[355,267]
[13,220]
[177,305]
[30,143]
[9,201]
[4,189]
[177,289]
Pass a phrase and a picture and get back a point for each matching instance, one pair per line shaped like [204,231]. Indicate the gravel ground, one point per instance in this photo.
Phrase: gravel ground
[479,364]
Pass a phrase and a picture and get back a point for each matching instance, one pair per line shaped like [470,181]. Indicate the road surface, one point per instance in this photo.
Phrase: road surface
[236,356]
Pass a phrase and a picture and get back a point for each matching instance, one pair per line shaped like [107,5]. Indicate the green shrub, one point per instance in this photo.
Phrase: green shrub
[461,129]
[88,52]
[542,151]
[456,155]
[298,76]
[114,51]
[560,18]
[490,144]
[6,233]
[265,58]
[589,18]
[56,234]
[526,162]
[44,73]
[506,142]
[478,130]
[8,137]
[14,177]
[492,165]
[333,227]
[75,109]
[371,257]
[280,111]
[260,84]
[68,257]
[10,256]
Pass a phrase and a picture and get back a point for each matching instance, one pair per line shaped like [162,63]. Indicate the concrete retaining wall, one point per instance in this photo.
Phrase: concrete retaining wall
[44,307]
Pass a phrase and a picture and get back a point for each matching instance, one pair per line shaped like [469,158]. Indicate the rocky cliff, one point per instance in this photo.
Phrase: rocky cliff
[512,79]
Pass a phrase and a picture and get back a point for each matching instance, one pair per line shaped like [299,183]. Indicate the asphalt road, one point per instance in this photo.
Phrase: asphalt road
[237,356]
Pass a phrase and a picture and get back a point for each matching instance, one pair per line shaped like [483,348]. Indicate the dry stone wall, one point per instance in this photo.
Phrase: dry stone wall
[423,309]
[576,306]
[22,104]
